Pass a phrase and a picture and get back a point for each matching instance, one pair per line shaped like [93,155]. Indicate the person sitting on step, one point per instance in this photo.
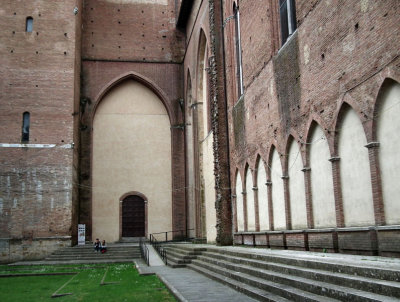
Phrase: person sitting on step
[103,247]
[97,245]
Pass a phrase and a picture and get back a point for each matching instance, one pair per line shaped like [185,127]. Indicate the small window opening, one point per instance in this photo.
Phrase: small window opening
[29,24]
[25,127]
[287,11]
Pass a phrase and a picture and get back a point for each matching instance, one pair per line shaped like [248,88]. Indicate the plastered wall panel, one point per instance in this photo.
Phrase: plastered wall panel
[321,181]
[131,152]
[298,210]
[263,210]
[209,185]
[355,172]
[278,199]
[388,133]
[251,219]
[239,204]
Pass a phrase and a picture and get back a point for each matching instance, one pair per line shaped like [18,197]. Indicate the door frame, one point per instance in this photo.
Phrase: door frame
[121,200]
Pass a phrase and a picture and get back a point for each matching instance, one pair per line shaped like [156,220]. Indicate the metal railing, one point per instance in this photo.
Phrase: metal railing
[159,249]
[170,236]
[144,251]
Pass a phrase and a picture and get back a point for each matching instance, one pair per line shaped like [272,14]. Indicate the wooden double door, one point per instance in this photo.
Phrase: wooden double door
[133,216]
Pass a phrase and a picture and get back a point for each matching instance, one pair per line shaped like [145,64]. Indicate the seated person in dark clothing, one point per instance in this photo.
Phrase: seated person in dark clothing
[97,245]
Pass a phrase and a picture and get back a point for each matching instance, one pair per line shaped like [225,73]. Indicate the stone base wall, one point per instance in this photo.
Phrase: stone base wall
[12,249]
[374,241]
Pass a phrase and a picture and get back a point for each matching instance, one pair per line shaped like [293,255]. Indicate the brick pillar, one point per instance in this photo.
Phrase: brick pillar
[287,202]
[178,181]
[256,208]
[244,193]
[337,191]
[219,125]
[234,208]
[376,183]
[270,212]
[309,209]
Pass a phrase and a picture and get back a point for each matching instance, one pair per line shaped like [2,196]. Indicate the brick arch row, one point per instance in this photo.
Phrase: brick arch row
[301,190]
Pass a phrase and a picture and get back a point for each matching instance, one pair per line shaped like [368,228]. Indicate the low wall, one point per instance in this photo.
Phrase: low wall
[20,249]
[381,240]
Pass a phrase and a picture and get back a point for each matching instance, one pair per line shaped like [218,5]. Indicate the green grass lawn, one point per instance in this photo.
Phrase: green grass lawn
[121,282]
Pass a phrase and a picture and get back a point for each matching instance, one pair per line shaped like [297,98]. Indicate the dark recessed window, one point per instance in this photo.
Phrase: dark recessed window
[25,127]
[287,11]
[239,68]
[29,24]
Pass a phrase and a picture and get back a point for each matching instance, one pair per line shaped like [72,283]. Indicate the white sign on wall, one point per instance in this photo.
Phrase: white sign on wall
[81,234]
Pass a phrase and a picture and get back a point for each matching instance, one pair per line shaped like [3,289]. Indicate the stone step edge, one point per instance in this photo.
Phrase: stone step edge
[178,260]
[335,291]
[173,264]
[180,255]
[248,290]
[390,285]
[365,271]
[182,251]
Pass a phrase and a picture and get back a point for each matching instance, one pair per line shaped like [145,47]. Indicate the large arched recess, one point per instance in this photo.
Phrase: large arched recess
[131,151]
[204,143]
[387,120]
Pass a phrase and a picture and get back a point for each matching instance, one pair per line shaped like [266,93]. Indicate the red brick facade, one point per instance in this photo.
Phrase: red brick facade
[341,55]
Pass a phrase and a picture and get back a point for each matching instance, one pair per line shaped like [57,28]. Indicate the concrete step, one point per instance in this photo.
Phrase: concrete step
[186,247]
[99,256]
[181,254]
[295,278]
[326,265]
[174,264]
[115,252]
[259,288]
[383,287]
[312,286]
[177,260]
[188,252]
[248,290]
[66,253]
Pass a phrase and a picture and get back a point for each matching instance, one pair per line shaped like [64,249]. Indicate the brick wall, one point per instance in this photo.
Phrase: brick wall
[138,40]
[131,31]
[40,75]
[341,52]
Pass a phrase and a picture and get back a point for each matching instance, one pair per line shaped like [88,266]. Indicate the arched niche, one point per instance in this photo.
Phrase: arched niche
[263,209]
[131,144]
[239,203]
[323,201]
[355,172]
[278,196]
[388,129]
[251,214]
[298,210]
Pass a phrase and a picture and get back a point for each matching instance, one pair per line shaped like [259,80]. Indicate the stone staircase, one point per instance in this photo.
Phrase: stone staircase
[117,252]
[291,276]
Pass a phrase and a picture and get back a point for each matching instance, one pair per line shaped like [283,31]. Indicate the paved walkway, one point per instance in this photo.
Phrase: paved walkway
[188,285]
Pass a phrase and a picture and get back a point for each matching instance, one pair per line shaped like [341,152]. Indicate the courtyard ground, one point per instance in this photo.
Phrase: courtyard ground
[86,282]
